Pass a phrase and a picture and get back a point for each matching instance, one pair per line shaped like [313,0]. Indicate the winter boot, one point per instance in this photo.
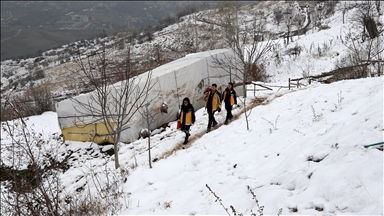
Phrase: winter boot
[214,123]
[226,121]
[186,138]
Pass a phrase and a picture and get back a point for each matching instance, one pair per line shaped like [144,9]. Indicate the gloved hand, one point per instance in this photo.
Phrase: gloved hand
[219,109]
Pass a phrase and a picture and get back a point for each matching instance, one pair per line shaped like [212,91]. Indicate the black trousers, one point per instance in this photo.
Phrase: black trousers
[229,113]
[185,128]
[211,118]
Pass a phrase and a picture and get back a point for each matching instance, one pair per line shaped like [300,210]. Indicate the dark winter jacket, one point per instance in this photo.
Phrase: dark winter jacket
[229,97]
[187,114]
[212,100]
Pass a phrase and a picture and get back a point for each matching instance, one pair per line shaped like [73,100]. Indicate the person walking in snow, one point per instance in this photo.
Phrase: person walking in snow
[212,104]
[187,118]
[230,98]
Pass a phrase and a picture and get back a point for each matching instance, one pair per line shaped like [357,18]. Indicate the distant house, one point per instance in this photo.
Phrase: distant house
[79,18]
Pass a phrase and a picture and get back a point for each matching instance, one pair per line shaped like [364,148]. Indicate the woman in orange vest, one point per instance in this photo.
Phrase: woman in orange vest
[212,99]
[230,98]
[187,118]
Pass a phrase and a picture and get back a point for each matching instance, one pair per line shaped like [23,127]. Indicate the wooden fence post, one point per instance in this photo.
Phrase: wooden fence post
[289,83]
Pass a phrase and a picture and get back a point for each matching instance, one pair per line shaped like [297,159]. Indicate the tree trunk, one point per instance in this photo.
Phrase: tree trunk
[371,27]
[246,116]
[149,152]
[116,151]
[244,88]
[378,6]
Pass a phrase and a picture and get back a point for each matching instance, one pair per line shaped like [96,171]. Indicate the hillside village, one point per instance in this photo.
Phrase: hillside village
[300,142]
[177,40]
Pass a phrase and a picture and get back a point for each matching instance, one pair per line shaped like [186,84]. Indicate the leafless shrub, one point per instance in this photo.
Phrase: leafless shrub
[351,72]
[41,97]
[167,204]
[274,125]
[258,72]
[370,51]
[278,15]
[105,200]
[34,100]
[218,199]
[306,69]
[295,51]
[38,74]
[30,171]
[31,168]
[316,116]
[260,209]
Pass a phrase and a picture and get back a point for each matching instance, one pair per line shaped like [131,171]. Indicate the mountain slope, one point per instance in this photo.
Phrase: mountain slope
[304,151]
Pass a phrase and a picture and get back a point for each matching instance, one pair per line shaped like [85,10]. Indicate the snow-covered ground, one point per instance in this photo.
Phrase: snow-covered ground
[304,150]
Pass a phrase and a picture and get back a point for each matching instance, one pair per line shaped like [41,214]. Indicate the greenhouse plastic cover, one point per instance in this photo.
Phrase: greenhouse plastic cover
[184,77]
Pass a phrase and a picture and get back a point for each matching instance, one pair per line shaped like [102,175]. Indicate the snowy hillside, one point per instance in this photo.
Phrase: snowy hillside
[321,47]
[303,153]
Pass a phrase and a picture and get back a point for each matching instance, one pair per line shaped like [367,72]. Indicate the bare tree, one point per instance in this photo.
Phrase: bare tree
[345,6]
[287,15]
[278,15]
[248,40]
[364,16]
[318,14]
[367,46]
[113,105]
[149,116]
[293,17]
[379,7]
[370,51]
